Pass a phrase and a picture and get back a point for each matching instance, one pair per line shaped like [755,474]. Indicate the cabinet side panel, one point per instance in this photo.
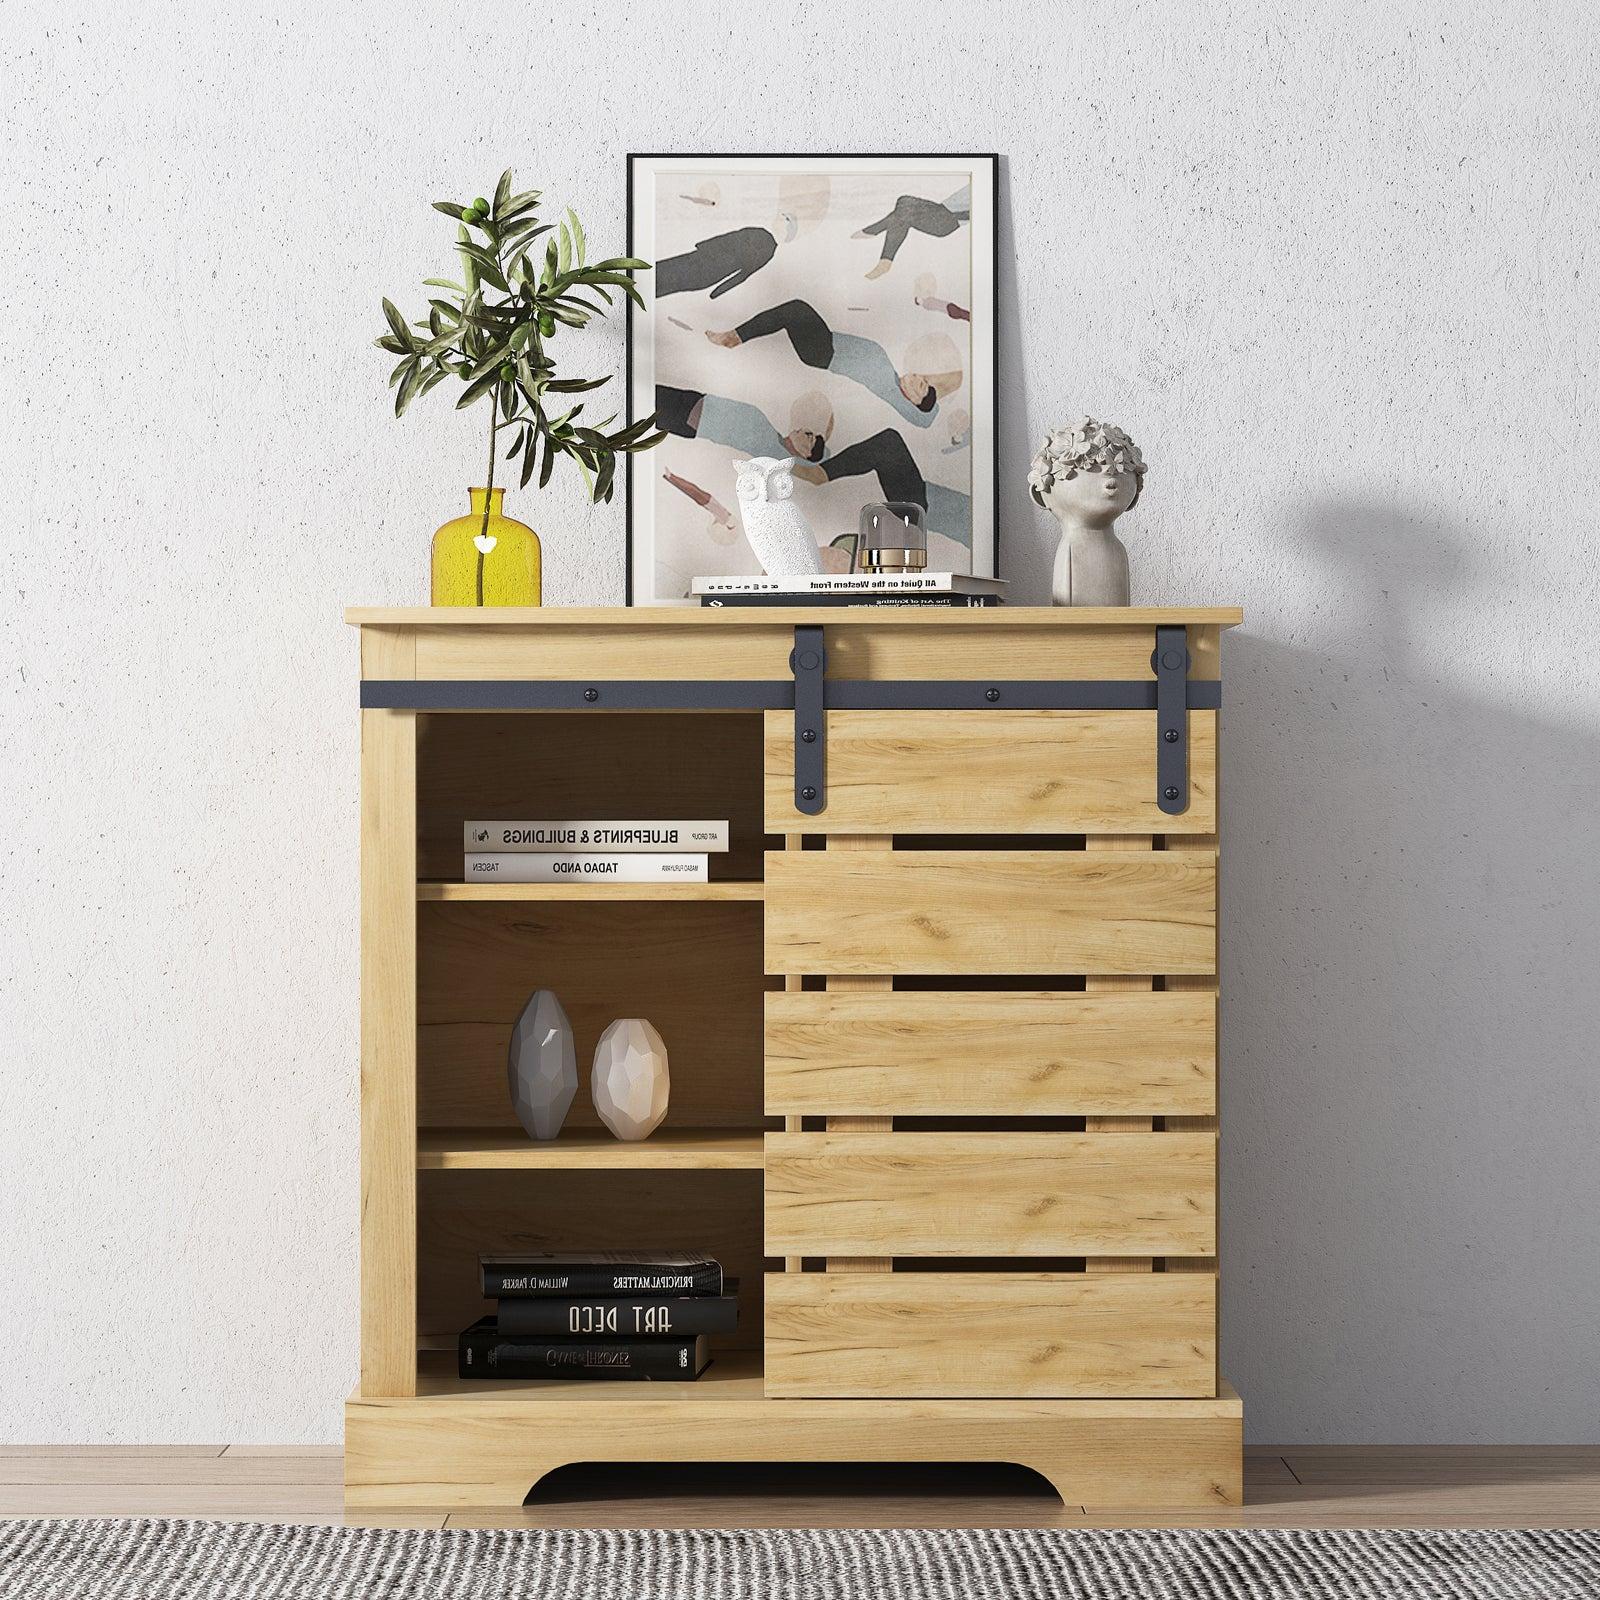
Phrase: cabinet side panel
[388,1030]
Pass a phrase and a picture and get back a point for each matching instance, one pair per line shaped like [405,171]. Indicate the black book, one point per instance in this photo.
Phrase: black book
[483,1351]
[621,1316]
[599,1273]
[812,597]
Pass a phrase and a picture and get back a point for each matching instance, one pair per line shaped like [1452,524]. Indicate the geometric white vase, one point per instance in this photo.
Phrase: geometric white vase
[629,1083]
[542,1066]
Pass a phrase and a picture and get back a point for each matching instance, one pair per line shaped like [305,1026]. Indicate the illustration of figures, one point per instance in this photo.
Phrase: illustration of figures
[726,260]
[746,428]
[927,296]
[720,263]
[938,218]
[914,395]
[723,529]
[899,478]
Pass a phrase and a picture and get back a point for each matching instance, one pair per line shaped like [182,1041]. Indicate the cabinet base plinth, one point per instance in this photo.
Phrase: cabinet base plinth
[453,1451]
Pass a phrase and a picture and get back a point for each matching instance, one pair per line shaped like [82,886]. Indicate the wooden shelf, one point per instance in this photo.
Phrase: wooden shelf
[732,1375]
[461,1149]
[697,617]
[590,891]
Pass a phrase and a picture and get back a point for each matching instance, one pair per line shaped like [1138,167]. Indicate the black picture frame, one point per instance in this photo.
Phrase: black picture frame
[975,157]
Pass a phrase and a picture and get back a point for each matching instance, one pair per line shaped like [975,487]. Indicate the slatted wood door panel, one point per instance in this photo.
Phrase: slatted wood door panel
[982,1053]
[990,1194]
[996,772]
[995,1334]
[990,911]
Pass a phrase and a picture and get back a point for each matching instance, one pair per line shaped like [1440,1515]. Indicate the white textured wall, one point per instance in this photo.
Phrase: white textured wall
[1335,268]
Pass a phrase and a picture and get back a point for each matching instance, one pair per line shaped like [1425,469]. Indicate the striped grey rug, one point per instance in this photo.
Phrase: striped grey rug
[168,1560]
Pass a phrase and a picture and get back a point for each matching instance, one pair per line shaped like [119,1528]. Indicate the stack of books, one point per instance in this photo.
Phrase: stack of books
[608,1314]
[853,589]
[599,852]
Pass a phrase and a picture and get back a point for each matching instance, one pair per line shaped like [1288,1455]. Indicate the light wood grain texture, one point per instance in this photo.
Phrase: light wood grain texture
[694,970]
[465,1213]
[792,984]
[1539,1486]
[1118,983]
[560,619]
[990,1053]
[995,911]
[388,1030]
[878,646]
[995,772]
[449,1448]
[990,1194]
[1190,984]
[856,1195]
[692,1148]
[1000,1334]
[870,984]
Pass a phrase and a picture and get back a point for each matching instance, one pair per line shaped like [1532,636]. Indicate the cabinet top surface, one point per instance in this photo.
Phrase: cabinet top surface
[790,616]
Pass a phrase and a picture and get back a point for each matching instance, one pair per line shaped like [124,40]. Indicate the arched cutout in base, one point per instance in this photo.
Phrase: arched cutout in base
[836,1482]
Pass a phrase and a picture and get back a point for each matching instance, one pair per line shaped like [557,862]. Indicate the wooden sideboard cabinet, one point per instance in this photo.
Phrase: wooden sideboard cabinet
[942,1029]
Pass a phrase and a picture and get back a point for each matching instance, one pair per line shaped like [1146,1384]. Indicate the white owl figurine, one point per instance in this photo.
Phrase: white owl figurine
[775,526]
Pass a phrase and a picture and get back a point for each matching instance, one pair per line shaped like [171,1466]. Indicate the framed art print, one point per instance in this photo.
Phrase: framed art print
[836,310]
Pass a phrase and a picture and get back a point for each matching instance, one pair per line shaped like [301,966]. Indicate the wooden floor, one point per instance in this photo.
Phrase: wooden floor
[1327,1486]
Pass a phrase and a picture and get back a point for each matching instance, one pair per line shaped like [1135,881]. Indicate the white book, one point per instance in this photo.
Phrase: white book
[604,838]
[526,866]
[852,583]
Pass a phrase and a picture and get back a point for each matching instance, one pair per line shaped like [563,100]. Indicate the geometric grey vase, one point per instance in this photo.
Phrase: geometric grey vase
[629,1083]
[542,1066]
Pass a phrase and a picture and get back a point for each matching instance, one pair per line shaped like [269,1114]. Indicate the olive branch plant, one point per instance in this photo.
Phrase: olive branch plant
[492,330]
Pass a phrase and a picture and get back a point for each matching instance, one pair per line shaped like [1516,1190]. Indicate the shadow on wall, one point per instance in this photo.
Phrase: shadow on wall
[1410,1014]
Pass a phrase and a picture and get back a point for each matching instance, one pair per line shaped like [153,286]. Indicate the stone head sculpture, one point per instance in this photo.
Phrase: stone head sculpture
[1086,475]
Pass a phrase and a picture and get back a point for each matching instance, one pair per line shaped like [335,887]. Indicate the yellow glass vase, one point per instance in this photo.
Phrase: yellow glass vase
[475,567]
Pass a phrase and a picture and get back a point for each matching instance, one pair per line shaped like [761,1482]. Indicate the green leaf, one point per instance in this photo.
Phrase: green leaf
[520,202]
[389,342]
[549,461]
[484,263]
[479,385]
[575,385]
[526,228]
[520,336]
[578,241]
[493,357]
[564,253]
[622,264]
[603,478]
[502,194]
[437,376]
[408,387]
[397,324]
[445,283]
[450,209]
